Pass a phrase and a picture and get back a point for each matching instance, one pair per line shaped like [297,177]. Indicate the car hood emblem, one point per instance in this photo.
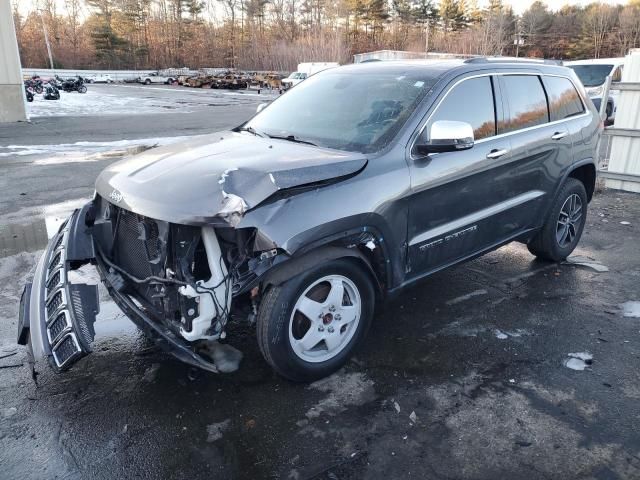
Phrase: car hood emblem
[116,196]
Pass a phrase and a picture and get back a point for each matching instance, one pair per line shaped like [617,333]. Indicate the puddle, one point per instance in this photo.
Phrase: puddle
[630,309]
[579,361]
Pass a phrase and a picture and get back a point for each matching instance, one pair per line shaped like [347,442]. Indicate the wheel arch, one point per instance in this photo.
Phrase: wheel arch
[361,253]
[585,172]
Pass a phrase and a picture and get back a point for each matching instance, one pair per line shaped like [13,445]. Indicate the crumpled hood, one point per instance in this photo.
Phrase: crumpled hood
[218,175]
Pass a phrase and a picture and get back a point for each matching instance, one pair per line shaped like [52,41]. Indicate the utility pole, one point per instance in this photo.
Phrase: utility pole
[46,39]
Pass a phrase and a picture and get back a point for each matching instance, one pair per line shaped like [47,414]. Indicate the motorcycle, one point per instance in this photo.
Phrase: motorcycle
[51,92]
[35,83]
[29,93]
[74,85]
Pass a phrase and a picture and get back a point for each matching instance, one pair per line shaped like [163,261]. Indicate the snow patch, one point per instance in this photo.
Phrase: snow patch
[344,390]
[630,309]
[578,361]
[89,151]
[466,297]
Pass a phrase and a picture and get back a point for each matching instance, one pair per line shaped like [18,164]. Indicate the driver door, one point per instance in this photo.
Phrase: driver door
[459,199]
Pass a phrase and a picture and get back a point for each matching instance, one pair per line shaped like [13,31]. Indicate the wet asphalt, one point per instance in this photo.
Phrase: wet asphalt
[463,376]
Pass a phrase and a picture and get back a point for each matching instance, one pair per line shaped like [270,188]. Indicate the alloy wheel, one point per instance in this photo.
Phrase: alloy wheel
[325,318]
[569,220]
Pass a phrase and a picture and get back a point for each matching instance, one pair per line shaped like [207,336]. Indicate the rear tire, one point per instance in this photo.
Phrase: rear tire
[564,224]
[338,298]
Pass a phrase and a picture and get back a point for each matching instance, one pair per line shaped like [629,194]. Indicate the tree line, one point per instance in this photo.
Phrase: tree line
[277,34]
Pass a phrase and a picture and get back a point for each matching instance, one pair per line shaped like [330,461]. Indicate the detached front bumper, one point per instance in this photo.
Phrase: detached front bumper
[57,317]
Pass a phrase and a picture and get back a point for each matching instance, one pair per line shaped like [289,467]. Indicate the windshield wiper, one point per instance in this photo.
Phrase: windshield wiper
[291,138]
[251,130]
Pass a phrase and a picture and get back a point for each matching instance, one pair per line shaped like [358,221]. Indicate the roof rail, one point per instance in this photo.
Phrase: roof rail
[513,60]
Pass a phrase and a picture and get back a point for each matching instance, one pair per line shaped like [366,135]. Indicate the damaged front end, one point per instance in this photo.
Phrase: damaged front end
[165,232]
[175,282]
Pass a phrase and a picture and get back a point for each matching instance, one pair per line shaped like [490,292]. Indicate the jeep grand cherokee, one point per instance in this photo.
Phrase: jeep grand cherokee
[354,185]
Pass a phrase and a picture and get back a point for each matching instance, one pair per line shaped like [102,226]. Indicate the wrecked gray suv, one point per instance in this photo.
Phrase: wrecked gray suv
[354,185]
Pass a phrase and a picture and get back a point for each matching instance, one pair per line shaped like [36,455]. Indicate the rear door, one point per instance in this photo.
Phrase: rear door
[540,149]
[454,195]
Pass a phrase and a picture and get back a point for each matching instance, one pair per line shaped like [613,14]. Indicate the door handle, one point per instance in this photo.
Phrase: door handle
[497,153]
[559,135]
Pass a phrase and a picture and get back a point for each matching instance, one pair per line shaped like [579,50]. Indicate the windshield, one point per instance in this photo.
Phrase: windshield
[592,75]
[345,110]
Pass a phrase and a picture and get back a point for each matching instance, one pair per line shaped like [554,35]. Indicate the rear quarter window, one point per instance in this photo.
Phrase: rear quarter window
[564,101]
[527,102]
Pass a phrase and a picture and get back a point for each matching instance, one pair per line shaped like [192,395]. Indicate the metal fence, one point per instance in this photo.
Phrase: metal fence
[620,145]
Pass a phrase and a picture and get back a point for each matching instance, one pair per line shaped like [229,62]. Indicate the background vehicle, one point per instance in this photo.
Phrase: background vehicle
[231,81]
[29,93]
[51,92]
[593,73]
[155,78]
[293,79]
[304,71]
[101,78]
[356,184]
[74,85]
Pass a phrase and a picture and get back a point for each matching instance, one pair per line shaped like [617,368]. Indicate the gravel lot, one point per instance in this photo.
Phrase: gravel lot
[479,372]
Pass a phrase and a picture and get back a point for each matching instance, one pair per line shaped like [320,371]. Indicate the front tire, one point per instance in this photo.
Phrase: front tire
[309,326]
[565,222]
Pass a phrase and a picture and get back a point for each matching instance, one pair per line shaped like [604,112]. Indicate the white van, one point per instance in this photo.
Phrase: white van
[593,74]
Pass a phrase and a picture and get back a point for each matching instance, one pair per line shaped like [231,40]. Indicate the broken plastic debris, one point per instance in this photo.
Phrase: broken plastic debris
[586,262]
[215,430]
[151,373]
[630,309]
[396,406]
[370,245]
[501,335]
[226,358]
[413,417]
[578,361]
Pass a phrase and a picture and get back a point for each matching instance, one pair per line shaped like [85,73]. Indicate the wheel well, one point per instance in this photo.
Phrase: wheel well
[587,175]
[320,255]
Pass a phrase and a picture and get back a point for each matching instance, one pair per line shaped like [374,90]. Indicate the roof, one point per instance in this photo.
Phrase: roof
[597,61]
[437,68]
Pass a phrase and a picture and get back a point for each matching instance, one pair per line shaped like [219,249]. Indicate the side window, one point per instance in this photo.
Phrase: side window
[471,101]
[564,101]
[527,102]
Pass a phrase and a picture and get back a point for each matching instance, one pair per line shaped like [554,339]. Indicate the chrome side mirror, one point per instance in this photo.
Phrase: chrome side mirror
[446,136]
[261,107]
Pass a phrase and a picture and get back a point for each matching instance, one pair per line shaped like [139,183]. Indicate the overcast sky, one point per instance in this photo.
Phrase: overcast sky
[519,6]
